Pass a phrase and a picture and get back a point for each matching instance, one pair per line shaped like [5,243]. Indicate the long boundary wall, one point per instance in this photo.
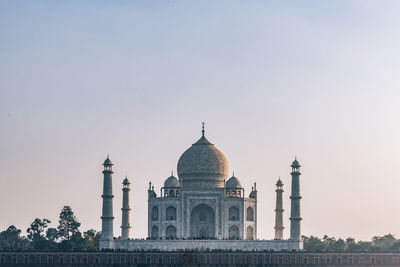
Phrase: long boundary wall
[197,258]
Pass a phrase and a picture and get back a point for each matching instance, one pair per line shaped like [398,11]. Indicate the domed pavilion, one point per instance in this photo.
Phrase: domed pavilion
[201,203]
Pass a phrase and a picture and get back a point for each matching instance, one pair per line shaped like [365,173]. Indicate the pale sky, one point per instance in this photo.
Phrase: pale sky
[134,79]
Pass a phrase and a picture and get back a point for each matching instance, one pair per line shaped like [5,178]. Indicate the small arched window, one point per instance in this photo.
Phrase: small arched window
[171,213]
[154,213]
[250,233]
[177,193]
[233,213]
[171,193]
[250,214]
[154,232]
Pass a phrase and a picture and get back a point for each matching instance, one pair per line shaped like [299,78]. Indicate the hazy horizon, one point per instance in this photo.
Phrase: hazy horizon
[271,79]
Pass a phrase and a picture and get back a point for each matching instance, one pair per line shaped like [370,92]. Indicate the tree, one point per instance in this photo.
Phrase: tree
[92,239]
[10,239]
[396,246]
[313,243]
[37,235]
[339,245]
[351,245]
[329,243]
[52,234]
[68,224]
[37,229]
[75,243]
[383,243]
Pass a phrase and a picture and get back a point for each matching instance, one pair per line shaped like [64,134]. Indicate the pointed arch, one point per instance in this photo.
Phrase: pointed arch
[171,213]
[250,214]
[233,213]
[171,193]
[233,232]
[250,233]
[154,213]
[154,232]
[170,232]
[202,222]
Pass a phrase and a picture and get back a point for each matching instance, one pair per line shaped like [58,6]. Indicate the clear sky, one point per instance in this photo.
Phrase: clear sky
[134,79]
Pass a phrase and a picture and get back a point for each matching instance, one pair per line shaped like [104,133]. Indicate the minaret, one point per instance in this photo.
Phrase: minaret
[295,219]
[107,215]
[149,192]
[255,210]
[150,195]
[125,227]
[279,211]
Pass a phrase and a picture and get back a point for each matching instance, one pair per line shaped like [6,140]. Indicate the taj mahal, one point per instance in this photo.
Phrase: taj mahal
[201,209]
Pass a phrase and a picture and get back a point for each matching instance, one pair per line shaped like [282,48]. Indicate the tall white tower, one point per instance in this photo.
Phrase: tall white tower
[107,217]
[125,227]
[279,211]
[295,219]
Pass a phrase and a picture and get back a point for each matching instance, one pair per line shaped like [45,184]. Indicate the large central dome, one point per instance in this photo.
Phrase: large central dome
[202,166]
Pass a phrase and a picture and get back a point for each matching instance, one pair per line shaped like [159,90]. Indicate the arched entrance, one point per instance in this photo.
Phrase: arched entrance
[233,232]
[250,233]
[202,222]
[154,232]
[170,232]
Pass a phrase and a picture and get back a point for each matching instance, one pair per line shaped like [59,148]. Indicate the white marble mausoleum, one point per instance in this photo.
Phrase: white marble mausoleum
[201,208]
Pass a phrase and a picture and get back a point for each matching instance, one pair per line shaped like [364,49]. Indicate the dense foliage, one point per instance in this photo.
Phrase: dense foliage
[387,243]
[66,237]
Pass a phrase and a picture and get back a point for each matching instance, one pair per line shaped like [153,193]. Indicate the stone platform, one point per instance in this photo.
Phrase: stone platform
[203,245]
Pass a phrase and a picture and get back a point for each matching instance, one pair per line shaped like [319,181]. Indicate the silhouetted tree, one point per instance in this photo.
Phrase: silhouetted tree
[92,239]
[37,229]
[383,243]
[339,245]
[68,224]
[74,243]
[37,235]
[350,244]
[52,234]
[10,240]
[313,243]
[396,246]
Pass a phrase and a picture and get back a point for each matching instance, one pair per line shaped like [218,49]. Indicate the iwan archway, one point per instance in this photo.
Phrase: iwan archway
[202,222]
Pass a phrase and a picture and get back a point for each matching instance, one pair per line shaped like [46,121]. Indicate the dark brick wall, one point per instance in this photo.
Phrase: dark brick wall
[197,259]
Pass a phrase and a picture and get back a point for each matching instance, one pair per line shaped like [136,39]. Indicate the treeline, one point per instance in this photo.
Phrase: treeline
[40,237]
[67,237]
[387,243]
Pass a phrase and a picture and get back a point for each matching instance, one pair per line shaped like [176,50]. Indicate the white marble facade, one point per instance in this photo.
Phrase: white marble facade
[200,206]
